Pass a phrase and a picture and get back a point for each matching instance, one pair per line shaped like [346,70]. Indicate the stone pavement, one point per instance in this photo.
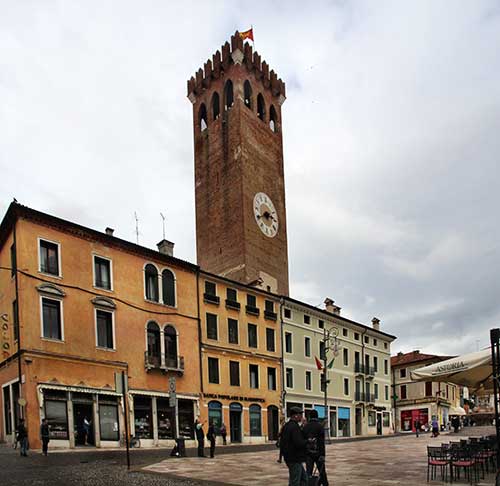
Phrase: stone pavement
[399,460]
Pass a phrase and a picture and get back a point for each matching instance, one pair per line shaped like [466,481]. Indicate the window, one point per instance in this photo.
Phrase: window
[252,335]
[288,313]
[143,417]
[288,342]
[261,107]
[232,331]
[269,310]
[375,342]
[346,357]
[254,376]
[322,352]
[151,276]
[273,119]
[49,257]
[367,340]
[215,414]
[321,323]
[203,117]
[170,337]
[228,94]
[375,364]
[375,390]
[251,300]
[213,370]
[428,388]
[403,392]
[215,106]
[386,392]
[234,373]
[13,260]
[108,418]
[270,344]
[15,320]
[386,345]
[154,345]
[102,273]
[356,359]
[289,377]
[386,367]
[345,333]
[52,319]
[372,416]
[346,386]
[104,325]
[308,381]
[165,419]
[356,336]
[271,378]
[232,295]
[56,413]
[247,94]
[307,319]
[386,417]
[255,421]
[402,373]
[210,288]
[168,287]
[212,326]
[367,363]
[307,347]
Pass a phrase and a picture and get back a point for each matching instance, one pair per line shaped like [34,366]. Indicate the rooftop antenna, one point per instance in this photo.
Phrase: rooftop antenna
[163,218]
[136,227]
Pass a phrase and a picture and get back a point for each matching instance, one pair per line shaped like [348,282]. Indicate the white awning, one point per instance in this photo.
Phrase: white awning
[472,370]
[456,411]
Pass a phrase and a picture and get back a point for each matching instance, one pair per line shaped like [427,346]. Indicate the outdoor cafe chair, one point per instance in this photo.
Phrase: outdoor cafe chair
[437,457]
[463,458]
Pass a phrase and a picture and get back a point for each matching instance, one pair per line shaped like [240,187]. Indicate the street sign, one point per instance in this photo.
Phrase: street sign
[172,399]
[172,384]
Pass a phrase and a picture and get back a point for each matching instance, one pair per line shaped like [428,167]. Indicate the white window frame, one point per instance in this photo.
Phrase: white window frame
[59,259]
[308,388]
[250,375]
[56,299]
[102,348]
[307,339]
[286,380]
[94,283]
[291,343]
[160,287]
[217,325]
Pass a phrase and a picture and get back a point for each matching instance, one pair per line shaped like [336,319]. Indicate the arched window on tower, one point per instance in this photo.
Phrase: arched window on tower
[154,345]
[261,107]
[151,282]
[215,106]
[228,94]
[247,93]
[203,117]
[170,347]
[273,119]
[168,287]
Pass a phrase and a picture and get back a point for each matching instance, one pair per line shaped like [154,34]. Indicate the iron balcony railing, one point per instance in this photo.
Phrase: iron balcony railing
[163,362]
[363,369]
[212,299]
[360,396]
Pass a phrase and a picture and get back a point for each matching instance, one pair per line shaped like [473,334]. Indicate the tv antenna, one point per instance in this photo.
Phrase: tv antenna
[163,218]
[136,227]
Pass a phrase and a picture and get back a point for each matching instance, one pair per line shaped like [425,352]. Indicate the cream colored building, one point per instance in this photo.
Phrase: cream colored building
[420,400]
[360,378]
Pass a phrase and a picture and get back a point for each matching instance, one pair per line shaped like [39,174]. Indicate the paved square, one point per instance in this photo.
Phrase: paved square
[386,461]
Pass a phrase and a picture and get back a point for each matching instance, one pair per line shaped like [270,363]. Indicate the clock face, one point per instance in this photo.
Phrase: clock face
[265,214]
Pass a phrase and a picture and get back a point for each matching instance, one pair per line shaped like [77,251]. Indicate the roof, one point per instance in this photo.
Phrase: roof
[415,357]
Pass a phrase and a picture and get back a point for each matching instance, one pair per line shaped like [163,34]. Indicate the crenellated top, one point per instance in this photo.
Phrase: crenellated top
[234,53]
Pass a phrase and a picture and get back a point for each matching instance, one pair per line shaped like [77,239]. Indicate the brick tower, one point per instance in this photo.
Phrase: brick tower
[239,178]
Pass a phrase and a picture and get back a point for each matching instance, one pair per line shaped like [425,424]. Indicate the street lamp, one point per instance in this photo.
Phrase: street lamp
[330,342]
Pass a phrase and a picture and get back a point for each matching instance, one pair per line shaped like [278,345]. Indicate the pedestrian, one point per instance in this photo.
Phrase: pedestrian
[200,437]
[314,434]
[86,430]
[22,435]
[435,427]
[211,436]
[455,422]
[417,427]
[223,433]
[294,448]
[279,443]
[44,435]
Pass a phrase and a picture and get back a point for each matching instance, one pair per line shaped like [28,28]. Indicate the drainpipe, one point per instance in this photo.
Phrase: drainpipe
[282,359]
[199,329]
[394,401]
[16,317]
[364,374]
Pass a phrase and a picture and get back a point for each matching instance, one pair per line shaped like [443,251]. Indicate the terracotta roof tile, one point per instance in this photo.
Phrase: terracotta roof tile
[415,357]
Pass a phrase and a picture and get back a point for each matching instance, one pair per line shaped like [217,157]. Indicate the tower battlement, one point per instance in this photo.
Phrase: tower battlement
[235,53]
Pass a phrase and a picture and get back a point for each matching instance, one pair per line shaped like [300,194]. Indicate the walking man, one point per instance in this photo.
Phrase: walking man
[417,427]
[223,433]
[314,434]
[200,437]
[211,437]
[22,434]
[44,435]
[294,449]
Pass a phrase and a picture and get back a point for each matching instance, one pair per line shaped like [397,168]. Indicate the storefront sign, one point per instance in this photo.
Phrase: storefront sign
[4,329]
[236,398]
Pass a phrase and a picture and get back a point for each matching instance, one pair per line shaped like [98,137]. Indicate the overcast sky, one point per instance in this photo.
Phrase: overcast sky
[391,134]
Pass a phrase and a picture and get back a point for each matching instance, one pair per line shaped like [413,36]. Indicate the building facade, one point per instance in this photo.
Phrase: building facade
[241,359]
[420,400]
[83,307]
[359,388]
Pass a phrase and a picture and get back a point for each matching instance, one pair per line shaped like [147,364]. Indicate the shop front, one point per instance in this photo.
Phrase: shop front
[410,417]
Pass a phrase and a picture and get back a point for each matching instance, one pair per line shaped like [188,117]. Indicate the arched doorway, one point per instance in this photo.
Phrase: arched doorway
[272,422]
[235,410]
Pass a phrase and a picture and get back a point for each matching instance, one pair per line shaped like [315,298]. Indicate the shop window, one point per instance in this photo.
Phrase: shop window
[211,326]
[247,94]
[386,419]
[143,417]
[56,413]
[213,370]
[232,327]
[108,419]
[372,419]
[270,340]
[215,414]
[102,273]
[49,258]
[151,282]
[104,327]
[165,419]
[186,418]
[254,376]
[255,421]
[234,373]
[252,335]
[170,336]
[271,378]
[154,344]
[344,420]
[168,287]
[51,316]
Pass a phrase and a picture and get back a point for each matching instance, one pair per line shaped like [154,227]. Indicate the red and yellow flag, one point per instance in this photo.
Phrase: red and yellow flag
[248,34]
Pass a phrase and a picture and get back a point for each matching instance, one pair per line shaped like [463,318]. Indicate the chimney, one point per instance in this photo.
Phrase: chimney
[109,231]
[166,247]
[331,307]
[376,324]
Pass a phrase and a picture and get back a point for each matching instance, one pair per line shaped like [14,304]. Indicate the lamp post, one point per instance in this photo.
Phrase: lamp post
[330,342]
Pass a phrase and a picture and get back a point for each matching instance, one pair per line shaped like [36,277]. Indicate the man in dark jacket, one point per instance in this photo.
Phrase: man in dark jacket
[44,435]
[294,448]
[22,435]
[211,437]
[314,434]
[200,437]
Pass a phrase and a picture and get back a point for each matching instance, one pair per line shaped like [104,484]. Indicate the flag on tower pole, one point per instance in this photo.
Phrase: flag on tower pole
[319,365]
[248,34]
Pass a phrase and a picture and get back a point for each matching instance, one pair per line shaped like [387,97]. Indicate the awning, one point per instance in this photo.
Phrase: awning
[456,411]
[472,370]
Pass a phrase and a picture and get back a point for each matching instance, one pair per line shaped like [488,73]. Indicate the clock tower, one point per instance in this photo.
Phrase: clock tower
[239,178]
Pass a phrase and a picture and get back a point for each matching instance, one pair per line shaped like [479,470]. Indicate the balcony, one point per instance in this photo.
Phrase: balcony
[369,371]
[360,396]
[272,316]
[211,298]
[359,368]
[363,369]
[233,304]
[159,361]
[254,311]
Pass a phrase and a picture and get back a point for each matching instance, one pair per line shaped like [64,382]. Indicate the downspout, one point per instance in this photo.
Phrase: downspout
[199,329]
[394,401]
[282,359]
[366,371]
[17,322]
